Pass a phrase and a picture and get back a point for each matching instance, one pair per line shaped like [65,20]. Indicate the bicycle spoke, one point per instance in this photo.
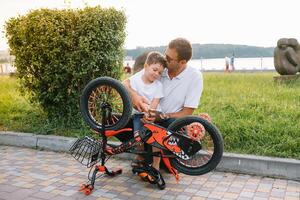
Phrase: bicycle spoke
[105,94]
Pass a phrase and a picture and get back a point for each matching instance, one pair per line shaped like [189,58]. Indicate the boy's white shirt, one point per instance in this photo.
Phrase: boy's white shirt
[149,91]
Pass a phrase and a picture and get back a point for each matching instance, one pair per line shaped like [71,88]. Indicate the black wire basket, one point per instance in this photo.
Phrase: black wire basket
[87,151]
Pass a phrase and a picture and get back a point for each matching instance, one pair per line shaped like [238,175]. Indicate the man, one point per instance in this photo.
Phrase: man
[182,89]
[182,85]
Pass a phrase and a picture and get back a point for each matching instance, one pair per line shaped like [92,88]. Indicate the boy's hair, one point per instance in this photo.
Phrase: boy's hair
[183,48]
[154,57]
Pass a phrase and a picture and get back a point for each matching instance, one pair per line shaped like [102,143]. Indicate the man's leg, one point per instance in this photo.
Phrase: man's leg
[165,122]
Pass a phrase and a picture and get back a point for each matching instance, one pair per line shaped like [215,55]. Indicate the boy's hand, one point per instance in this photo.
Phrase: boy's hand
[148,119]
[140,103]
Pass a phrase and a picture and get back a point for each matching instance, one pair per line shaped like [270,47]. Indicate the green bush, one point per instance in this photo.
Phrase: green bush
[59,51]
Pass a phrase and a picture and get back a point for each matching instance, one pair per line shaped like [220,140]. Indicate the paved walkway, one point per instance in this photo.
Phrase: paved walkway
[35,175]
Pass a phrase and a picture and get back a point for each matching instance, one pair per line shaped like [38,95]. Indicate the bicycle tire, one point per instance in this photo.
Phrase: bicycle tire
[114,87]
[217,140]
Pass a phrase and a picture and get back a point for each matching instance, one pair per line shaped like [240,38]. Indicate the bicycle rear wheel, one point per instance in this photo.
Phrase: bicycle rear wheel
[208,157]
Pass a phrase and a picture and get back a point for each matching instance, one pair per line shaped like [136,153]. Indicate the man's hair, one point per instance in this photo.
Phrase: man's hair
[183,48]
[154,57]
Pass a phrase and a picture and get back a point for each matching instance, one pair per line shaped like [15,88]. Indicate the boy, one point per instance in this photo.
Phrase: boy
[147,84]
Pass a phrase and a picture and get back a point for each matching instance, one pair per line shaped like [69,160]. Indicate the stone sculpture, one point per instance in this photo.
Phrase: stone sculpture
[287,56]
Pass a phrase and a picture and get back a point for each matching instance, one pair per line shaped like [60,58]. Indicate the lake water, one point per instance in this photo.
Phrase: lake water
[263,63]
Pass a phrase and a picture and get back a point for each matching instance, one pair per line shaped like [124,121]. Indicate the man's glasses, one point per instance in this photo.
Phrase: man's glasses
[169,59]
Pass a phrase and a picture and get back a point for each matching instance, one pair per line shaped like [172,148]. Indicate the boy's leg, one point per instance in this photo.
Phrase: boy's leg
[137,126]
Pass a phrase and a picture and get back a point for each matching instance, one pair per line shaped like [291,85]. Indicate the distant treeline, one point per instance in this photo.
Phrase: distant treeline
[213,51]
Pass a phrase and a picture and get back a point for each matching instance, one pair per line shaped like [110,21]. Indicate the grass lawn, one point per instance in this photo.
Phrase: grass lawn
[17,114]
[254,114]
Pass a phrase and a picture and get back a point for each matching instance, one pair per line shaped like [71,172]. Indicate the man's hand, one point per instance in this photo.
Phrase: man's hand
[164,116]
[205,116]
[158,115]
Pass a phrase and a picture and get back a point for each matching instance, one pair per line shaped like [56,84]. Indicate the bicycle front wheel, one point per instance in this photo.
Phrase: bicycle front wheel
[111,92]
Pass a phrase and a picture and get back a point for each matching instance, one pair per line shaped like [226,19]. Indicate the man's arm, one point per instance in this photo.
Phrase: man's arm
[154,103]
[139,102]
[184,112]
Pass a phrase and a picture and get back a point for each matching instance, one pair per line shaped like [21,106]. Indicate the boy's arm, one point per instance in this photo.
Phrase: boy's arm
[139,102]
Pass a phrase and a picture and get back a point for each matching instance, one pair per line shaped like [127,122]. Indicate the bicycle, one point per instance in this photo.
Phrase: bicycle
[190,145]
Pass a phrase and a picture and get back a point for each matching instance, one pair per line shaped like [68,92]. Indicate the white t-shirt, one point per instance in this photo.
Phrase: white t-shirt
[183,90]
[149,91]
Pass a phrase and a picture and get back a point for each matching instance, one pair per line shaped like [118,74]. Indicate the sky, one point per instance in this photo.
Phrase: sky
[156,22]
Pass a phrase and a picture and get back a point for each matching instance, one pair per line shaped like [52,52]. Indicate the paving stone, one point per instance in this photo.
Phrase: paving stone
[168,197]
[183,197]
[259,198]
[202,193]
[48,188]
[235,189]
[247,194]
[31,198]
[190,190]
[44,195]
[229,195]
[262,194]
[198,198]
[216,195]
